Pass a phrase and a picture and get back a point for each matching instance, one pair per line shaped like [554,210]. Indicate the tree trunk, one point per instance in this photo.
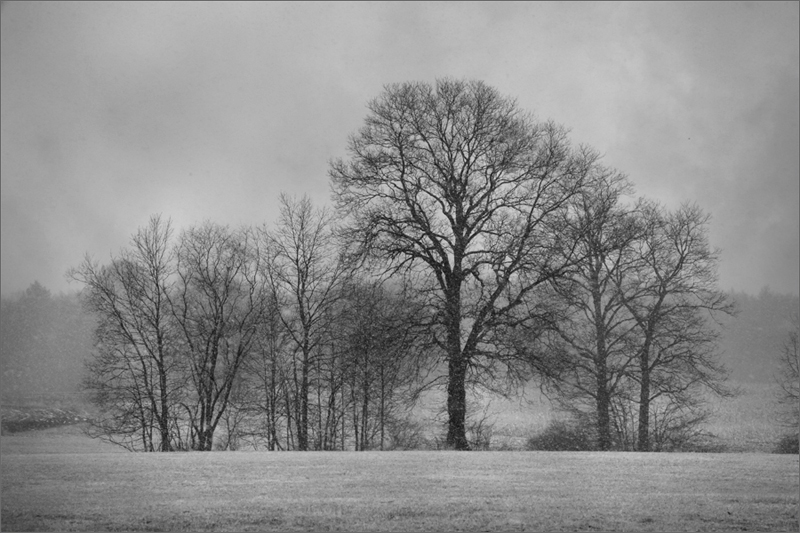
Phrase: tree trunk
[365,405]
[163,420]
[203,440]
[289,409]
[319,444]
[207,439]
[354,401]
[601,364]
[302,425]
[383,405]
[457,405]
[344,413]
[143,423]
[272,407]
[643,437]
[603,417]
[457,373]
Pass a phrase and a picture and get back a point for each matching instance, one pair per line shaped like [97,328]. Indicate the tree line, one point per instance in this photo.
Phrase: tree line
[267,333]
[472,247]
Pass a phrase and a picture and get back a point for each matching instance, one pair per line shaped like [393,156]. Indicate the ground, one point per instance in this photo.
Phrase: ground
[58,480]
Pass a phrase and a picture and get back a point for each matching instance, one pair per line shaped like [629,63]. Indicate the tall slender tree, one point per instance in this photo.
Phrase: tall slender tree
[595,332]
[218,305]
[135,370]
[268,372]
[305,272]
[377,333]
[674,299]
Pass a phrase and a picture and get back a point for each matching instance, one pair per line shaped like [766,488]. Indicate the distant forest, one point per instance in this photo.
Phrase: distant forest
[45,339]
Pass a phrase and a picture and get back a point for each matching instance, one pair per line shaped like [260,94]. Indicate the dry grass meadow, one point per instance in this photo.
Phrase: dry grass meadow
[58,480]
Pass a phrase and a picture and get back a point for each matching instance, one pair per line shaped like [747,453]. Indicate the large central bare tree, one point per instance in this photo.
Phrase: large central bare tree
[457,180]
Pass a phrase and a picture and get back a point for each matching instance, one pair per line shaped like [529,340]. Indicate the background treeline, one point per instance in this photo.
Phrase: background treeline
[46,339]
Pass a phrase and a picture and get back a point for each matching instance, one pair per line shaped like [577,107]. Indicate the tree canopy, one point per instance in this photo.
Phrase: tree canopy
[454,179]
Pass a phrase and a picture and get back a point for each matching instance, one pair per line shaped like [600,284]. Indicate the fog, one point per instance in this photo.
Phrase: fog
[112,112]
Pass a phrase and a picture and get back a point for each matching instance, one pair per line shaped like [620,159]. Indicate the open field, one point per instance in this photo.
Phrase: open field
[88,487]
[748,422]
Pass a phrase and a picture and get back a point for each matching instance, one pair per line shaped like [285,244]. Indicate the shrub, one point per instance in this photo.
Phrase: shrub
[561,435]
[406,434]
[704,444]
[479,434]
[788,444]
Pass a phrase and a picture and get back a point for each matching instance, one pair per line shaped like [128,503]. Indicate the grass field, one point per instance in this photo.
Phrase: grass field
[57,480]
[748,422]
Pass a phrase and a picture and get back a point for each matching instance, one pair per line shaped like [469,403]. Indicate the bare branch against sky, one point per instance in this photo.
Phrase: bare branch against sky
[114,111]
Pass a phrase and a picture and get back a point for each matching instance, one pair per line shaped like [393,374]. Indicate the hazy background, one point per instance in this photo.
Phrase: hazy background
[114,111]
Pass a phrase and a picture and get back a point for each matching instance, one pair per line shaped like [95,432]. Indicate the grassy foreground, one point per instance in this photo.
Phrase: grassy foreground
[89,489]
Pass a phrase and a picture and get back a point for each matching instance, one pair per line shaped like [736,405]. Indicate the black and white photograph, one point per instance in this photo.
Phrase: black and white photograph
[399,266]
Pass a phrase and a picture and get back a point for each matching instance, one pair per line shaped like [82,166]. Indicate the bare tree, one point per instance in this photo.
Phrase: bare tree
[594,335]
[218,305]
[380,343]
[674,300]
[133,375]
[304,271]
[458,181]
[268,373]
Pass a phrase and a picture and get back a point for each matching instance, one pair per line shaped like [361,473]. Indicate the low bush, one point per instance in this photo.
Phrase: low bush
[788,444]
[562,436]
[479,434]
[706,444]
[406,434]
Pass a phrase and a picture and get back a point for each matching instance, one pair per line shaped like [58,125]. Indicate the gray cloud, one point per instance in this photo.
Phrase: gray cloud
[114,111]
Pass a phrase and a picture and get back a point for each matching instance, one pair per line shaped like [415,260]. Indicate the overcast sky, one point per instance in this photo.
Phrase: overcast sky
[112,112]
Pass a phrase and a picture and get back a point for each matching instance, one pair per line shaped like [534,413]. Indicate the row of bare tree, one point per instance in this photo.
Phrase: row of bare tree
[471,238]
[267,333]
[536,258]
[633,345]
